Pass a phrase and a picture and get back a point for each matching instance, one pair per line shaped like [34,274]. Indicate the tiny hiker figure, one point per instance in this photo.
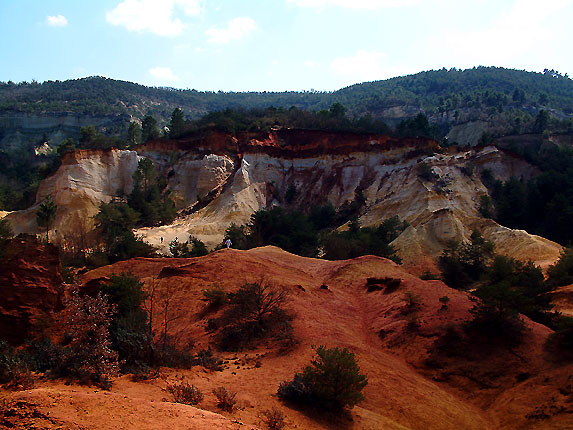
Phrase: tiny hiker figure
[228,243]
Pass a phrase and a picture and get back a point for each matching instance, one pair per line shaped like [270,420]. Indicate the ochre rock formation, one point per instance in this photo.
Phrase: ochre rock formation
[30,290]
[217,179]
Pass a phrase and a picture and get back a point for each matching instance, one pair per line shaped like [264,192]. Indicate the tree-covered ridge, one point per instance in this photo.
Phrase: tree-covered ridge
[433,91]
[456,88]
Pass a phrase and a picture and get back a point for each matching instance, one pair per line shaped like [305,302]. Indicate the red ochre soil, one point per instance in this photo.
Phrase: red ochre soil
[412,384]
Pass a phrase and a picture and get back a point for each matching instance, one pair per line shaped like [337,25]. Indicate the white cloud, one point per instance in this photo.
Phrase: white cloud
[163,73]
[311,64]
[367,66]
[57,21]
[515,33]
[362,66]
[155,16]
[355,4]
[237,28]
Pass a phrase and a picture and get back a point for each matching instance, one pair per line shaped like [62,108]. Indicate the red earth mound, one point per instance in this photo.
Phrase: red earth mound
[394,322]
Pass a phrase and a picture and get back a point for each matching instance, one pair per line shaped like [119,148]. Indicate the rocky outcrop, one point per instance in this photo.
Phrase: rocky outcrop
[30,291]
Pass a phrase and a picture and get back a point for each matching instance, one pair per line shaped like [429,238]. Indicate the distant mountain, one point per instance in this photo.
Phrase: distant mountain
[438,93]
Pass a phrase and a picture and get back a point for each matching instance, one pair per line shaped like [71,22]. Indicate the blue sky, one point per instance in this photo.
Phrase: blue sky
[275,45]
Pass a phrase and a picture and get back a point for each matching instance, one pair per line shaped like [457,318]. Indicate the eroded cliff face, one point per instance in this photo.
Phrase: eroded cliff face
[217,179]
[84,180]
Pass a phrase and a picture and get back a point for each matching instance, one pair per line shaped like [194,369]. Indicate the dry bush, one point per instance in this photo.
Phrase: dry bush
[184,393]
[14,372]
[88,355]
[273,419]
[226,399]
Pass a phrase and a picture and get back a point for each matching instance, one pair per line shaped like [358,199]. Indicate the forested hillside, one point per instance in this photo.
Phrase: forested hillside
[434,92]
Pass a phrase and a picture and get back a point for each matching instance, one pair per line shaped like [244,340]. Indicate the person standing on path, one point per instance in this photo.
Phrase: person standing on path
[228,243]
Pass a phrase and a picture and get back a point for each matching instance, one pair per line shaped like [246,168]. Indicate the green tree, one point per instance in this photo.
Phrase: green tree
[134,134]
[256,311]
[114,223]
[149,128]
[561,273]
[177,123]
[337,110]
[46,215]
[541,121]
[87,135]
[66,146]
[146,196]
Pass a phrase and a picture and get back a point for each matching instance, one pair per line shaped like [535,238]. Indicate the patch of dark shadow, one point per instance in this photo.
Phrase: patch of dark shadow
[92,287]
[301,288]
[383,333]
[324,287]
[387,284]
[168,272]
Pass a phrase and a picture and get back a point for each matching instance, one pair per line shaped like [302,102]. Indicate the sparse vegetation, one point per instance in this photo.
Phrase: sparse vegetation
[273,419]
[192,248]
[226,399]
[185,393]
[255,311]
[14,370]
[215,296]
[462,264]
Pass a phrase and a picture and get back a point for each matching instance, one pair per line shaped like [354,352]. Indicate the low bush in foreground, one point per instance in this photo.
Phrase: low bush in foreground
[332,381]
[226,399]
[184,393]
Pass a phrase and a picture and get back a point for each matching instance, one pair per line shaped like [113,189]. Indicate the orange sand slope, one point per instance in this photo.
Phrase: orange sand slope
[410,385]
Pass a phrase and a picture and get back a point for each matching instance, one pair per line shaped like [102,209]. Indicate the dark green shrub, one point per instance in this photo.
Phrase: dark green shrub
[332,381]
[495,314]
[88,355]
[5,234]
[129,332]
[359,241]
[192,248]
[45,356]
[215,296]
[561,341]
[226,399]
[485,206]
[429,276]
[462,264]
[184,393]
[561,273]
